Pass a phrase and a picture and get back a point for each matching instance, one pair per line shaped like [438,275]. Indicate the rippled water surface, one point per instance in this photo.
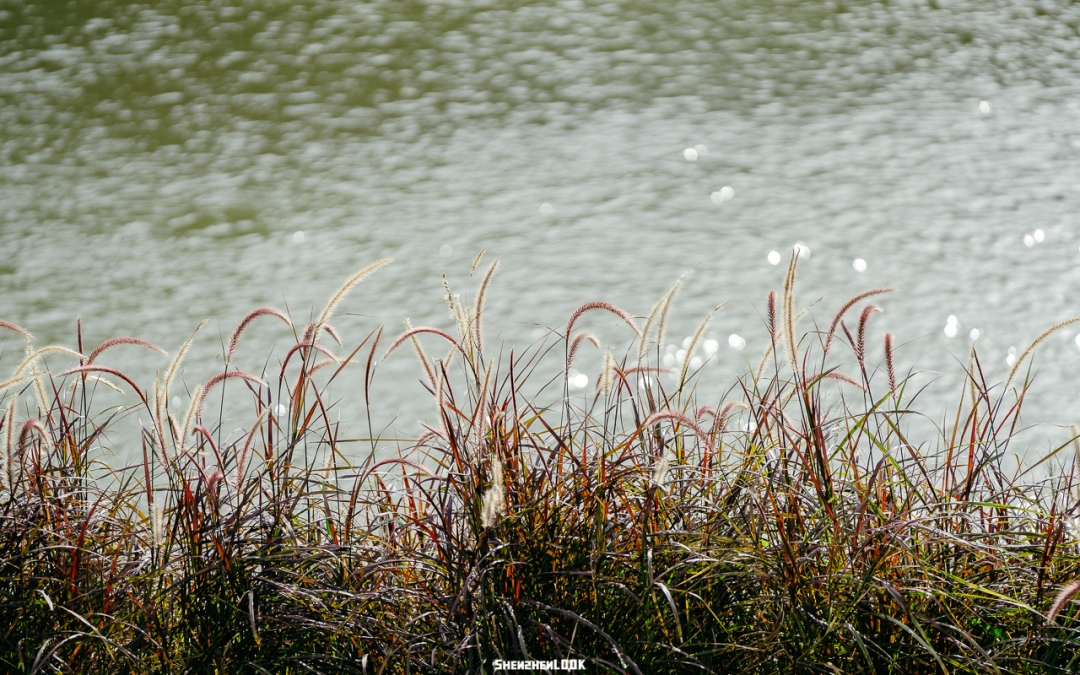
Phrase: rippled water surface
[157,162]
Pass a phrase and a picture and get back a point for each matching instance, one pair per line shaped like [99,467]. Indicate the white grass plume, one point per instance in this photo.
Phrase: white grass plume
[33,356]
[694,340]
[583,336]
[174,366]
[339,295]
[494,503]
[1039,340]
[660,470]
[118,341]
[658,317]
[478,308]
[789,312]
[234,341]
[607,375]
[9,444]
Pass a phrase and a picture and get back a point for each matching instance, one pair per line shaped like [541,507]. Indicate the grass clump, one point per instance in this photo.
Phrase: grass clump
[791,526]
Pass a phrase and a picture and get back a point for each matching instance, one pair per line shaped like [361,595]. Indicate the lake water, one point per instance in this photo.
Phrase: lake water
[157,162]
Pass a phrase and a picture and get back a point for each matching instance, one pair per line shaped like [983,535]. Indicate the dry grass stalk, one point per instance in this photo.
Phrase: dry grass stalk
[583,336]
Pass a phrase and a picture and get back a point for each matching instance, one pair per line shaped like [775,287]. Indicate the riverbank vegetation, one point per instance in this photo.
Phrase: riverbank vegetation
[792,525]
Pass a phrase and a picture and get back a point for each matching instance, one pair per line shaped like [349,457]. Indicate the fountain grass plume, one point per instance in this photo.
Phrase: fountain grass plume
[658,317]
[789,312]
[118,341]
[174,365]
[425,360]
[890,367]
[476,260]
[1031,348]
[234,341]
[110,371]
[478,307]
[860,335]
[410,333]
[17,329]
[583,336]
[607,374]
[694,340]
[33,356]
[606,306]
[331,306]
[854,300]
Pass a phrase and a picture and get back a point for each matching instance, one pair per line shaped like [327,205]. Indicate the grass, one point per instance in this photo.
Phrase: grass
[792,526]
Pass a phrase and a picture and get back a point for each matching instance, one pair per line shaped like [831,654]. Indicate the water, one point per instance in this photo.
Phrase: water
[161,164]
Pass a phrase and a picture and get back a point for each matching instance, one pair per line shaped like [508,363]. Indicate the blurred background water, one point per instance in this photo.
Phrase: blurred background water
[166,162]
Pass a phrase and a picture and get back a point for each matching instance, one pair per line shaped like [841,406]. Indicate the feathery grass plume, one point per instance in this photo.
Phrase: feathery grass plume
[677,417]
[156,524]
[606,306]
[691,347]
[1027,352]
[254,314]
[583,336]
[332,332]
[245,449]
[843,378]
[199,396]
[478,308]
[416,331]
[33,356]
[36,426]
[764,361]
[890,368]
[860,336]
[9,444]
[661,323]
[1066,594]
[39,390]
[17,329]
[74,384]
[847,306]
[111,371]
[339,295]
[115,342]
[174,366]
[12,381]
[494,504]
[789,311]
[158,421]
[460,314]
[482,400]
[425,361]
[607,375]
[476,261]
[770,315]
[660,470]
[658,314]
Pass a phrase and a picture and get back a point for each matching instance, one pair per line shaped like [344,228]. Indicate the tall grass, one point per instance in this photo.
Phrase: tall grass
[791,526]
